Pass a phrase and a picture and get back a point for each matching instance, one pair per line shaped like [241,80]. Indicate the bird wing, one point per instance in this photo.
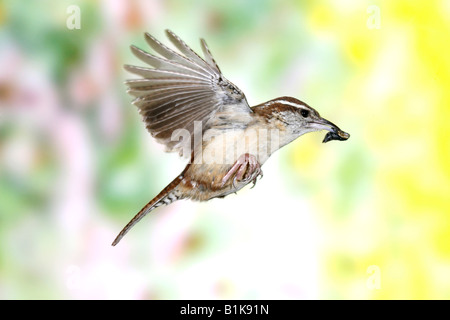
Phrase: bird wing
[180,89]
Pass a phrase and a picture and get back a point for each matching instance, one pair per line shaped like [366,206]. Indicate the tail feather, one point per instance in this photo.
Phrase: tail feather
[165,197]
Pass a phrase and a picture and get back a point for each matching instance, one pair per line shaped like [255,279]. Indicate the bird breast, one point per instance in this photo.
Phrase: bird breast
[224,147]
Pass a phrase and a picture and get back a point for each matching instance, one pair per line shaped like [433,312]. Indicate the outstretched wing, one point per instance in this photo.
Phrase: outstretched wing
[180,89]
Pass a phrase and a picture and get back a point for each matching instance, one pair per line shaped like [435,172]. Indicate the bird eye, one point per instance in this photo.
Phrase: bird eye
[304,113]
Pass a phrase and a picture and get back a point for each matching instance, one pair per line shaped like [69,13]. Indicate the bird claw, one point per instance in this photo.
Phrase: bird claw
[245,169]
[260,175]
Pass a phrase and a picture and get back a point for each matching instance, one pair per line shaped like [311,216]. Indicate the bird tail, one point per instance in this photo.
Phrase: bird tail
[165,197]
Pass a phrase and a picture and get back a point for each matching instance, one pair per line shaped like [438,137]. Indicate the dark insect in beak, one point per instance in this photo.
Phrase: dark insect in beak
[341,135]
[334,132]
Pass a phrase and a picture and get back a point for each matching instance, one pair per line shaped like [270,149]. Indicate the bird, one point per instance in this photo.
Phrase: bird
[189,106]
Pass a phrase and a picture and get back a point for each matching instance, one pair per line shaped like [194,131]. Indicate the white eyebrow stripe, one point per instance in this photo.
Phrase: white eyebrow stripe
[289,103]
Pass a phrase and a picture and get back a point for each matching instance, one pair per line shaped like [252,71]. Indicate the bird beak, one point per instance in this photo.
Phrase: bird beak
[335,133]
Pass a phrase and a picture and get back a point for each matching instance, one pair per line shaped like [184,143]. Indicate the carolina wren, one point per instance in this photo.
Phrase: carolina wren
[227,141]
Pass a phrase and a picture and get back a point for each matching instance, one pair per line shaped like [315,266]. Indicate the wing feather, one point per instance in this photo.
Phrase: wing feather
[179,89]
[188,52]
[162,63]
[172,55]
[161,74]
[157,92]
[208,56]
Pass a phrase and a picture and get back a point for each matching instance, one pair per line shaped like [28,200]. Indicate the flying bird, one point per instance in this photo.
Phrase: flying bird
[191,108]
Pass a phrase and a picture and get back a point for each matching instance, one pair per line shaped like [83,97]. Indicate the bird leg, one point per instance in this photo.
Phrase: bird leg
[245,169]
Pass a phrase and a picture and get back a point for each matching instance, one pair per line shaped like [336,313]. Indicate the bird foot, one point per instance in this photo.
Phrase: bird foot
[245,169]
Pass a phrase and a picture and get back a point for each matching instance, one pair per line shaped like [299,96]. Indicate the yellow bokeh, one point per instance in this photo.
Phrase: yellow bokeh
[400,97]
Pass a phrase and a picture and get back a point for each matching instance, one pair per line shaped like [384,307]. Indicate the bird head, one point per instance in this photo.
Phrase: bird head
[297,118]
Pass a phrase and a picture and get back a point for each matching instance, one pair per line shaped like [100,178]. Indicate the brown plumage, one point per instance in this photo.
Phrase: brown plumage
[189,106]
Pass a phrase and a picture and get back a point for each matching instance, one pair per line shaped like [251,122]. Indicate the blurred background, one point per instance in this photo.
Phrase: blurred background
[363,219]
